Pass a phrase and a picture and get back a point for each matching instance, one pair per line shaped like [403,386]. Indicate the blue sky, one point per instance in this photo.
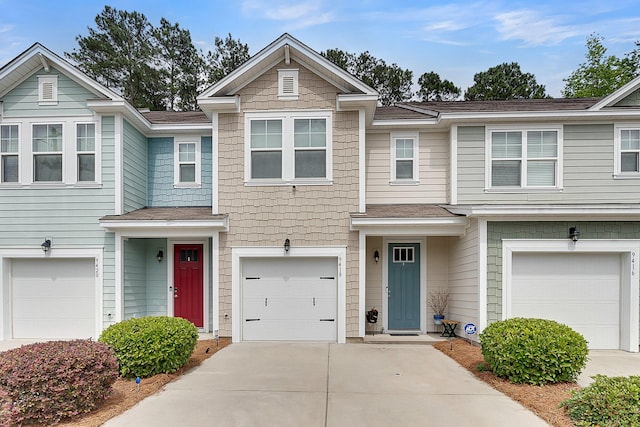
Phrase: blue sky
[456,39]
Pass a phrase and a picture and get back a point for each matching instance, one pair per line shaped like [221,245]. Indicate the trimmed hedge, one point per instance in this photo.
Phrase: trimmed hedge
[607,402]
[534,351]
[49,381]
[146,346]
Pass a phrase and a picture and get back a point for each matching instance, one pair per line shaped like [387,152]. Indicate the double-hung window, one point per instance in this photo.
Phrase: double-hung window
[9,157]
[310,145]
[47,153]
[524,158]
[86,151]
[404,157]
[627,150]
[187,170]
[266,149]
[288,147]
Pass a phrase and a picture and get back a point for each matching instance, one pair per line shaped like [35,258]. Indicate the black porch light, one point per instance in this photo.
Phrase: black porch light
[287,245]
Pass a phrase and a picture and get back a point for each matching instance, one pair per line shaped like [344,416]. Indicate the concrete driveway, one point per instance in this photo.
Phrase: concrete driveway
[268,384]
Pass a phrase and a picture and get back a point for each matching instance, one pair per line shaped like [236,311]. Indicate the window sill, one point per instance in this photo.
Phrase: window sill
[404,182]
[47,186]
[520,190]
[635,175]
[280,183]
[187,185]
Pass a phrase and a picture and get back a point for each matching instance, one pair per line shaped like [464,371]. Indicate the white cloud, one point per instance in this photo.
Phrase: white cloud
[298,14]
[5,28]
[533,28]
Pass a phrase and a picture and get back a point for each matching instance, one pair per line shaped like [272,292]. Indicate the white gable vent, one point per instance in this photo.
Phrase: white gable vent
[48,90]
[288,84]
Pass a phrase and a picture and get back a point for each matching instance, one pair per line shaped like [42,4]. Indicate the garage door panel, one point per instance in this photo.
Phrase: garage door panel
[294,299]
[579,290]
[53,298]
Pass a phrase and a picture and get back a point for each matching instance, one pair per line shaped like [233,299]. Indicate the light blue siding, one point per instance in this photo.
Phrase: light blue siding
[134,168]
[22,101]
[161,169]
[157,285]
[135,281]
[68,215]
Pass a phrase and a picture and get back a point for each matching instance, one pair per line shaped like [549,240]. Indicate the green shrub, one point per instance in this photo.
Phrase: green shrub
[534,351]
[49,381]
[147,346]
[608,401]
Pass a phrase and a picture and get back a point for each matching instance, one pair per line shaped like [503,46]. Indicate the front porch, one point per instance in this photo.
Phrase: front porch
[166,264]
[409,251]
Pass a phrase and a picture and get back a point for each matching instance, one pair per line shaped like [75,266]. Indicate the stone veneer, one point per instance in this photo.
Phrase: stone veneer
[311,216]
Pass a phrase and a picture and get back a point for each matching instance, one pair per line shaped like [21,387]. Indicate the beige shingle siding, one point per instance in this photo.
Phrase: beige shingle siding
[433,164]
[310,215]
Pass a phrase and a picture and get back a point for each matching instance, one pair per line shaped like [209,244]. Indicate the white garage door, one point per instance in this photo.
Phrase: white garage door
[579,290]
[289,299]
[53,298]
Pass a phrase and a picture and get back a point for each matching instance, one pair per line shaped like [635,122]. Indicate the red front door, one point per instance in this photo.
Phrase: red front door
[188,299]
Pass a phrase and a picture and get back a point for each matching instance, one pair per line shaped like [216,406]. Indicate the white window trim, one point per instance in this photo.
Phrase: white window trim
[176,161]
[97,151]
[69,154]
[288,73]
[18,153]
[288,149]
[416,155]
[523,188]
[617,131]
[53,80]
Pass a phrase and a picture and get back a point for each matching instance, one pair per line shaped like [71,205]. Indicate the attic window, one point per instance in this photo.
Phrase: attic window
[288,84]
[48,90]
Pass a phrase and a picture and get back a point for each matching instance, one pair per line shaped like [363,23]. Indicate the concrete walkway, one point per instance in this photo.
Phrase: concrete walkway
[282,384]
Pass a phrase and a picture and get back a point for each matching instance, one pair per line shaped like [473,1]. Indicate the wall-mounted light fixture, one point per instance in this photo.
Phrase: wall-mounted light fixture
[160,255]
[376,256]
[574,234]
[46,245]
[287,245]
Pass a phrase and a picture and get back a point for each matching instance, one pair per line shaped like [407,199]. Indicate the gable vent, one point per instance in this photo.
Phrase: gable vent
[47,91]
[288,84]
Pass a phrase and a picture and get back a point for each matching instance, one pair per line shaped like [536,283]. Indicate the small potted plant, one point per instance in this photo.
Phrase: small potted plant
[438,301]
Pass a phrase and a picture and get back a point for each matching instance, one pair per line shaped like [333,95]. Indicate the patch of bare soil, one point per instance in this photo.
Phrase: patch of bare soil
[542,400]
[126,393]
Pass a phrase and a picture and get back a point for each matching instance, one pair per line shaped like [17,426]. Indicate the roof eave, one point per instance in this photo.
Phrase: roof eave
[448,226]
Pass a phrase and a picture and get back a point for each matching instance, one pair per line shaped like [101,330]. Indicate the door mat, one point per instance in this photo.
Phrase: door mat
[404,335]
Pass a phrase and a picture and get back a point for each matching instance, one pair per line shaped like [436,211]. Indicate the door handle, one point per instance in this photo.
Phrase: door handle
[175,292]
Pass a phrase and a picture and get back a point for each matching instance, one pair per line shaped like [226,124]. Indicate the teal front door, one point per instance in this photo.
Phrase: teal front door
[404,286]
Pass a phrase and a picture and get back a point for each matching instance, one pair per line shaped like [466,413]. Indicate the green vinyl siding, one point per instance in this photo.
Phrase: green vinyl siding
[497,231]
[134,168]
[587,170]
[22,101]
[632,100]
